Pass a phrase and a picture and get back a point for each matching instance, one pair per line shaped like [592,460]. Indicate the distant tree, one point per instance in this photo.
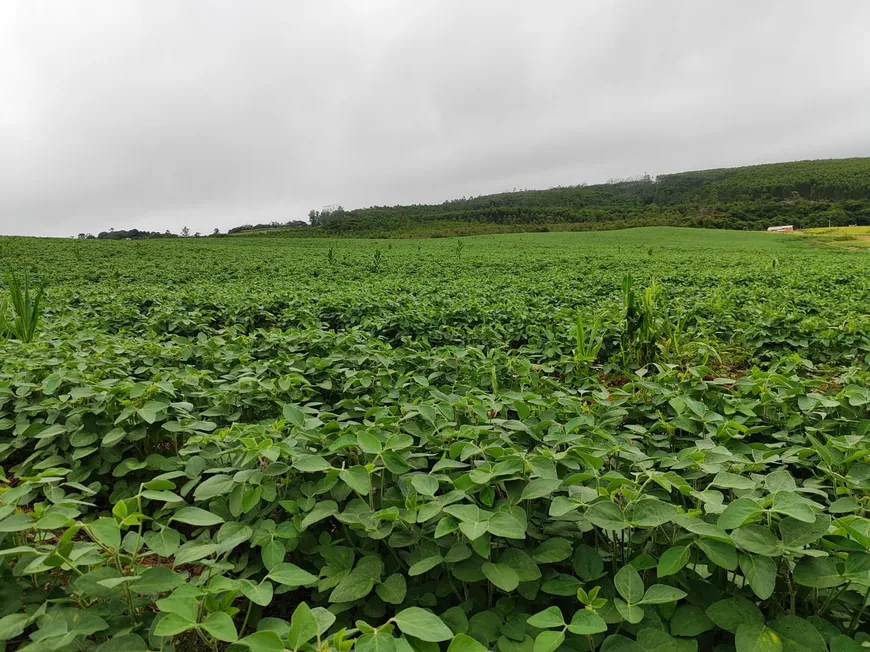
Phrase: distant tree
[185,231]
[197,235]
[216,232]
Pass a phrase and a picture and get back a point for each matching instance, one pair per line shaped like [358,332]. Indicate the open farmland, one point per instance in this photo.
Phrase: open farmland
[652,439]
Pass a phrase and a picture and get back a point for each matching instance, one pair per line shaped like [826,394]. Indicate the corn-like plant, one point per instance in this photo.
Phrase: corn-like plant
[588,340]
[27,305]
[4,320]
[644,323]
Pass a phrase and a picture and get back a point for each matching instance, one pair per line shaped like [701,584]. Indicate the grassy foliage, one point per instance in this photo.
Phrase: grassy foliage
[267,445]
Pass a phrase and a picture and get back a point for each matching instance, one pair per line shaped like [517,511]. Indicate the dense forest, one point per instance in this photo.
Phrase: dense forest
[804,193]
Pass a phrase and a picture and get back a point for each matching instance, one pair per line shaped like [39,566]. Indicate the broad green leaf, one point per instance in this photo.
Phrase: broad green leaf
[673,560]
[553,550]
[655,640]
[540,487]
[549,617]
[259,593]
[586,623]
[719,553]
[171,624]
[291,575]
[690,621]
[548,641]
[424,484]
[629,584]
[464,643]
[817,573]
[662,594]
[798,634]
[740,512]
[357,478]
[502,575]
[422,624]
[216,485]
[393,589]
[757,638]
[294,415]
[502,524]
[756,539]
[730,613]
[607,515]
[220,626]
[760,572]
[651,512]
[196,516]
[303,627]
[157,579]
[619,643]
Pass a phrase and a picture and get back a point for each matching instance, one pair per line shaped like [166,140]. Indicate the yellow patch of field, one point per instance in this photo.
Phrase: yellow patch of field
[849,237]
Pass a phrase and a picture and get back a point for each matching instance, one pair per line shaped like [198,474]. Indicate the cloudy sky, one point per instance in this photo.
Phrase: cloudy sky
[154,115]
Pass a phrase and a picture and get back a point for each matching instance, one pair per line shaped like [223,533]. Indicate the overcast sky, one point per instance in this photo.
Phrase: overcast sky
[117,113]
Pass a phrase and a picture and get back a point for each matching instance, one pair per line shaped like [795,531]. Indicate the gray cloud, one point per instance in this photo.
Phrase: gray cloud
[157,114]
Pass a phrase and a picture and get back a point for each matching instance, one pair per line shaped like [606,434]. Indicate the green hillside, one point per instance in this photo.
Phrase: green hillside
[804,193]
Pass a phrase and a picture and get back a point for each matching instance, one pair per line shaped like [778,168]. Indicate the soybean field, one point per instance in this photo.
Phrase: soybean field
[654,439]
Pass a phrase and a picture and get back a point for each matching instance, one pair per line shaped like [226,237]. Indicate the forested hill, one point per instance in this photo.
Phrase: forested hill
[803,193]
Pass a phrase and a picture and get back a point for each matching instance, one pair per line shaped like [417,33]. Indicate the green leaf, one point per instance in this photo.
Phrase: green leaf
[662,594]
[13,625]
[549,617]
[425,565]
[757,638]
[303,627]
[798,634]
[260,594]
[673,560]
[393,589]
[425,485]
[196,516]
[220,626]
[629,584]
[790,504]
[756,539]
[106,532]
[157,579]
[842,643]
[526,569]
[291,575]
[353,587]
[740,512]
[273,553]
[690,621]
[422,624]
[553,550]
[631,612]
[730,613]
[502,524]
[817,573]
[265,641]
[760,572]
[502,575]
[322,510]
[727,480]
[719,553]
[548,641]
[539,487]
[310,464]
[651,512]
[587,563]
[464,643]
[586,623]
[164,543]
[172,624]
[619,643]
[294,415]
[655,640]
[216,485]
[357,478]
[607,515]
